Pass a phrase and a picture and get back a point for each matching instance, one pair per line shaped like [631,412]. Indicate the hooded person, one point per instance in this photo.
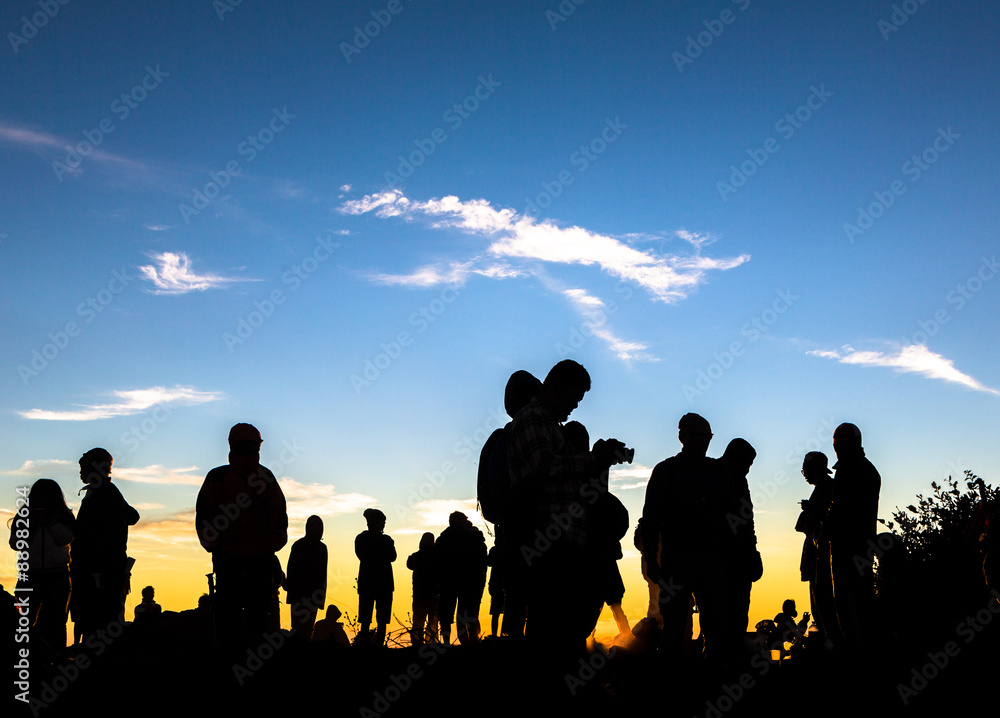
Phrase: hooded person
[305,584]
[241,519]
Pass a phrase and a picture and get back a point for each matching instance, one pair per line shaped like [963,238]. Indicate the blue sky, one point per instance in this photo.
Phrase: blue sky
[780,216]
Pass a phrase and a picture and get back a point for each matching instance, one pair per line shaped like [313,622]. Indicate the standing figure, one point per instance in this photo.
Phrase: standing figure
[423,563]
[376,551]
[499,505]
[305,584]
[853,526]
[546,480]
[242,521]
[814,566]
[43,532]
[609,523]
[100,568]
[743,564]
[460,552]
[686,539]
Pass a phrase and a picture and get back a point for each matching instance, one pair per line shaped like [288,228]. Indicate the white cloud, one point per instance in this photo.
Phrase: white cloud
[159,474]
[133,402]
[915,358]
[175,276]
[345,188]
[596,322]
[432,515]
[304,500]
[45,467]
[629,476]
[667,278]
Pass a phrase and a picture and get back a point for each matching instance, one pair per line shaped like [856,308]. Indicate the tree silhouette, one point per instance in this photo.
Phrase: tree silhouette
[944,537]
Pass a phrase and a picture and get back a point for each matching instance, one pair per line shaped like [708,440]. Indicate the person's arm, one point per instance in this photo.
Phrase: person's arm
[650,524]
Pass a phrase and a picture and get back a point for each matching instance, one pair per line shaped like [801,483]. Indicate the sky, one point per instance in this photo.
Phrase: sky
[349,223]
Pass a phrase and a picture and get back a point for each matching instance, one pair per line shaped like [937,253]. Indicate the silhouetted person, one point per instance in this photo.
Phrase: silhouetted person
[743,564]
[425,590]
[609,522]
[148,609]
[242,521]
[460,554]
[305,584]
[814,566]
[43,532]
[546,479]
[330,628]
[376,552]
[499,506]
[100,567]
[688,498]
[786,630]
[853,526]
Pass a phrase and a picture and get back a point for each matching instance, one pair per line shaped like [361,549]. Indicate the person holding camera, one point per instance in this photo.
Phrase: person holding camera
[546,476]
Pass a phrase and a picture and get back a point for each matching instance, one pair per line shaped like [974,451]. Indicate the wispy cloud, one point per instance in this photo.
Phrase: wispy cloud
[132,402]
[515,237]
[915,358]
[44,467]
[595,314]
[43,143]
[434,513]
[174,275]
[159,474]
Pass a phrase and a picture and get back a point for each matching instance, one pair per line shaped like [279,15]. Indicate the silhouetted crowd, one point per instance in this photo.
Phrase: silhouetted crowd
[553,565]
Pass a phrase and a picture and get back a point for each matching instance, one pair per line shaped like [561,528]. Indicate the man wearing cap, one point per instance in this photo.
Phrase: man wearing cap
[242,521]
[686,540]
[814,566]
[376,551]
[853,526]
